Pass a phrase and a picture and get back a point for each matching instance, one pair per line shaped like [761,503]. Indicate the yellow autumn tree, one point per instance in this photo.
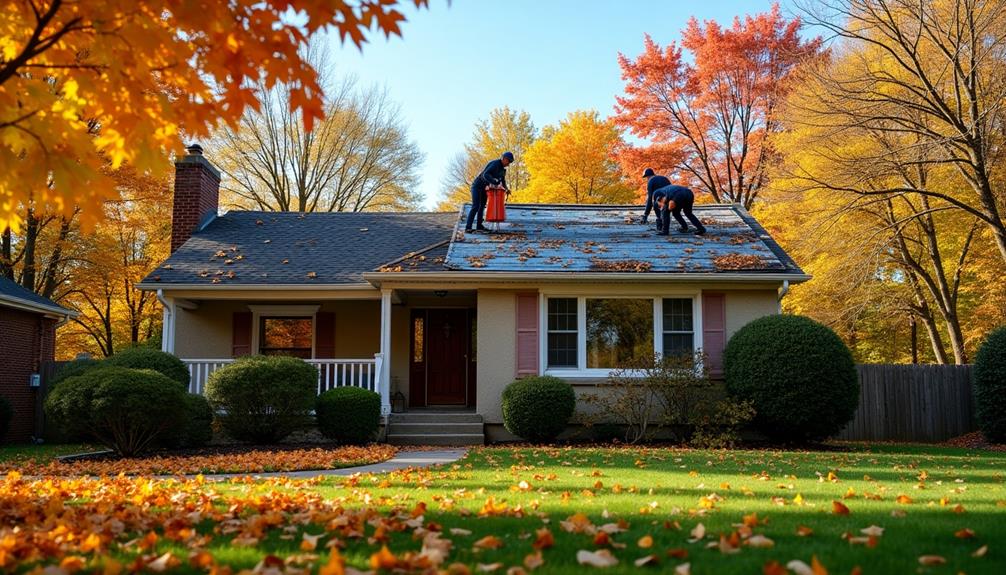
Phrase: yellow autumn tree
[92,82]
[574,163]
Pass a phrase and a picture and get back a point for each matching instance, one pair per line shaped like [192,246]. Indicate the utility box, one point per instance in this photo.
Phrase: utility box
[34,380]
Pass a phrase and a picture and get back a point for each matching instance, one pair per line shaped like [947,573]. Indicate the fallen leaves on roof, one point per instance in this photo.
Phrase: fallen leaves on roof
[619,265]
[735,261]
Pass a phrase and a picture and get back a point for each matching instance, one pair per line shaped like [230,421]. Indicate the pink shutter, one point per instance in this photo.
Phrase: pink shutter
[324,335]
[714,331]
[242,333]
[527,334]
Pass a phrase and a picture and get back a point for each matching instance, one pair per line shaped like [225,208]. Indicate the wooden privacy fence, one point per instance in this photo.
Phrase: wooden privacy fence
[925,403]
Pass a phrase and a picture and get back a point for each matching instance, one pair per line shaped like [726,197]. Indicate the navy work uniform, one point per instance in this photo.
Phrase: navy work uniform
[652,185]
[494,174]
[683,199]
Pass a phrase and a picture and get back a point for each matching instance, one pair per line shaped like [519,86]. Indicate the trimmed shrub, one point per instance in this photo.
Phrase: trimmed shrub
[155,359]
[124,409]
[199,421]
[797,373]
[6,415]
[72,368]
[990,386]
[538,408]
[263,398]
[349,414]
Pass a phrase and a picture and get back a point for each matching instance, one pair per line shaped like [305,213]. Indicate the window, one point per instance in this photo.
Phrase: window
[562,332]
[286,336]
[618,331]
[679,330]
[418,347]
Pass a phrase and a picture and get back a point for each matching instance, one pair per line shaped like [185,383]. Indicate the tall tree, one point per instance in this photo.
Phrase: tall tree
[574,163]
[90,81]
[933,75]
[504,130]
[719,110]
[357,158]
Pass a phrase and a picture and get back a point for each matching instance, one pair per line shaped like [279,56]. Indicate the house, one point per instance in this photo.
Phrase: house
[407,304]
[28,325]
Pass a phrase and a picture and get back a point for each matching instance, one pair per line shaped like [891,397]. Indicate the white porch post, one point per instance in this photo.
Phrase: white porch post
[384,365]
[167,322]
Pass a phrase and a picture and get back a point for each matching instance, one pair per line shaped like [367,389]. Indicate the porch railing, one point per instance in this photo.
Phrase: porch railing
[332,373]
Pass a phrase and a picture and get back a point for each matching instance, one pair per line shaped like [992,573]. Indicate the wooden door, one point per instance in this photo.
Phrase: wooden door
[447,338]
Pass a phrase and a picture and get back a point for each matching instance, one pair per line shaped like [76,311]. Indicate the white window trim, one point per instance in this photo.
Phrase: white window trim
[260,311]
[581,319]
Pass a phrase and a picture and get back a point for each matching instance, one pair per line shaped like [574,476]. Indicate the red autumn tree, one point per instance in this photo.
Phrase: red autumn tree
[718,111]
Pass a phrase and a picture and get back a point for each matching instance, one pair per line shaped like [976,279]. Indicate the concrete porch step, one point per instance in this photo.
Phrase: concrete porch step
[436,428]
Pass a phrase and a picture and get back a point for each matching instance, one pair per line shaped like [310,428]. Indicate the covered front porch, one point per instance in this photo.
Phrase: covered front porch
[416,348]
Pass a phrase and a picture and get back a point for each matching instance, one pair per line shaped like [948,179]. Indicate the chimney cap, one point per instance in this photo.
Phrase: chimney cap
[194,149]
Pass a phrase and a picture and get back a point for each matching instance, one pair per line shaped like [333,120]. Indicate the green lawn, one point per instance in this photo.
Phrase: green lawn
[658,493]
[13,455]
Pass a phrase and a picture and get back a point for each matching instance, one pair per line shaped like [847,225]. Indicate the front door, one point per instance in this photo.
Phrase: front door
[447,360]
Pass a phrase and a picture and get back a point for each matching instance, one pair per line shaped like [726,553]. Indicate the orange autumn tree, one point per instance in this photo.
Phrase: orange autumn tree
[91,82]
[719,110]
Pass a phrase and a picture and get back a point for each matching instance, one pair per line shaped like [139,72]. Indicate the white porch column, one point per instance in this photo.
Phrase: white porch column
[167,322]
[385,363]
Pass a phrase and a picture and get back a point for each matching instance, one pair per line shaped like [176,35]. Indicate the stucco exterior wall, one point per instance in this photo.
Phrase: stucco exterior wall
[497,342]
[745,306]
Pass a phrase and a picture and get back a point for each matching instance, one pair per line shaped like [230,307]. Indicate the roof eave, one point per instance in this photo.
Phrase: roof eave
[28,305]
[167,286]
[482,276]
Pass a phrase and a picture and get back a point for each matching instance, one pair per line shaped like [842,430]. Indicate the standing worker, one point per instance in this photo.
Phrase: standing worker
[494,174]
[672,200]
[653,183]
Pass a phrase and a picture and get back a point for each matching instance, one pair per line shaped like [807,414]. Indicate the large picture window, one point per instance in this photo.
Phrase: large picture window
[562,332]
[286,336]
[679,327]
[618,332]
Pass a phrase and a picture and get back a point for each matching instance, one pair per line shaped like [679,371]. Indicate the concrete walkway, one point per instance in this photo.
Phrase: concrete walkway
[401,460]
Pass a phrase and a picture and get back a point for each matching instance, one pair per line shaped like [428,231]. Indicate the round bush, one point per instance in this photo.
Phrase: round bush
[263,399]
[125,409]
[798,374]
[147,358]
[72,368]
[349,414]
[6,415]
[538,408]
[198,429]
[990,386]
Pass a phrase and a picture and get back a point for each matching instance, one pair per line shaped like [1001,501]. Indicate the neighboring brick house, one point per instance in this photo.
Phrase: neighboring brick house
[28,325]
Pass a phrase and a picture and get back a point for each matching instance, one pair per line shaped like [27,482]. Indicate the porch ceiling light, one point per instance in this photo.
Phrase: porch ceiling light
[440,293]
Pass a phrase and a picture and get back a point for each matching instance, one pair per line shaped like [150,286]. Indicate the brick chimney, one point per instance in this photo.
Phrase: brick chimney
[197,195]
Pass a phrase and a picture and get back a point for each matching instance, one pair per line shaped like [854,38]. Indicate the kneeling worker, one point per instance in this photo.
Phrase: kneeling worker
[653,183]
[674,199]
[494,174]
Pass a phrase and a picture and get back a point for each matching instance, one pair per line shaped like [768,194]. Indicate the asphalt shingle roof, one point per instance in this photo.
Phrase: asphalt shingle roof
[289,248]
[9,289]
[544,238]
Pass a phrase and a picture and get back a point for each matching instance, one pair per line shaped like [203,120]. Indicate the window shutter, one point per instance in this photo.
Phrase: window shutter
[527,334]
[714,332]
[324,335]
[242,334]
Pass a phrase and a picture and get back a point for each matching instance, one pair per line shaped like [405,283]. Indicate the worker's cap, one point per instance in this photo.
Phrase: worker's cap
[648,172]
[508,156]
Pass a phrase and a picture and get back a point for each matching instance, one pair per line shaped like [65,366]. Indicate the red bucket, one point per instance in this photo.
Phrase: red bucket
[496,208]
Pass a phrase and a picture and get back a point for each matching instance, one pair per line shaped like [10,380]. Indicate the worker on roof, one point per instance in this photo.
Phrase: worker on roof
[653,183]
[493,175]
[673,200]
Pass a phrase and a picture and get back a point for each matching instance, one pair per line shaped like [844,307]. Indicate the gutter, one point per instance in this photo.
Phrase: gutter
[377,277]
[27,305]
[783,290]
[160,287]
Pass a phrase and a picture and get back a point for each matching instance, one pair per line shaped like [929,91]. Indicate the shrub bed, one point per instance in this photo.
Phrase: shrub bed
[147,358]
[349,414]
[538,408]
[990,386]
[798,375]
[263,399]
[126,410]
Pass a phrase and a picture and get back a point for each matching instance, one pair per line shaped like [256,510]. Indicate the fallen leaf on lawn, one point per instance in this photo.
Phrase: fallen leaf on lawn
[576,523]
[383,559]
[804,531]
[647,560]
[899,513]
[904,499]
[458,569]
[760,542]
[336,565]
[487,567]
[163,563]
[488,542]
[516,571]
[981,551]
[958,508]
[459,531]
[543,539]
[872,531]
[534,560]
[602,539]
[683,569]
[202,560]
[699,532]
[964,534]
[602,558]
[839,508]
[773,568]
[678,553]
[800,568]
[932,560]
[645,542]
[310,542]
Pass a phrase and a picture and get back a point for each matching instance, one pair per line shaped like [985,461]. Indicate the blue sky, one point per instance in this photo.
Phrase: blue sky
[457,62]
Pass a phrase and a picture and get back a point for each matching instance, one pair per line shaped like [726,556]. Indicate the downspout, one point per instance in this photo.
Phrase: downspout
[167,329]
[783,290]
